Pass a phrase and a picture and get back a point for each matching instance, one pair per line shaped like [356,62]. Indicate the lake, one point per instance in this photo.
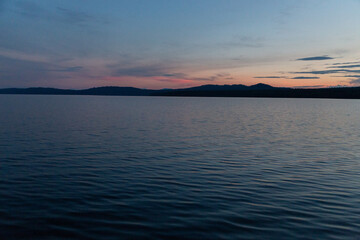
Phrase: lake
[93,167]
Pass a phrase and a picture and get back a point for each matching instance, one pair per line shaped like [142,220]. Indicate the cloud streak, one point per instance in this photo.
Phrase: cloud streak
[59,14]
[74,16]
[162,72]
[316,58]
[312,86]
[305,77]
[18,55]
[142,71]
[347,66]
[351,76]
[323,72]
[345,63]
[67,69]
[243,41]
[355,81]
[269,77]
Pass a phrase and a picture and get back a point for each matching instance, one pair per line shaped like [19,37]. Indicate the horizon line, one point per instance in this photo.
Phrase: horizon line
[294,87]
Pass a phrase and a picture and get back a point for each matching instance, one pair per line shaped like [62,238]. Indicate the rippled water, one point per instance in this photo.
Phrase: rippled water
[179,168]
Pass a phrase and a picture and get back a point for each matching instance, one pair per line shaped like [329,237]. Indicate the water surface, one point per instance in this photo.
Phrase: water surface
[91,167]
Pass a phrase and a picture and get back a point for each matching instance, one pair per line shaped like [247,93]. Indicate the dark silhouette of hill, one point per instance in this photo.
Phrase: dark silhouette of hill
[257,90]
[37,90]
[114,91]
[261,86]
[211,87]
[272,92]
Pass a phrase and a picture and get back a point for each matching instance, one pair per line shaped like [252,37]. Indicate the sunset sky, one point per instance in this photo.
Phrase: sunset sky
[179,43]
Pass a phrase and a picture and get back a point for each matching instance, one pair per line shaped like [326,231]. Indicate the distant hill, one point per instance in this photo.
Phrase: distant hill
[114,91]
[261,86]
[39,90]
[211,87]
[127,91]
[257,90]
[263,90]
[117,91]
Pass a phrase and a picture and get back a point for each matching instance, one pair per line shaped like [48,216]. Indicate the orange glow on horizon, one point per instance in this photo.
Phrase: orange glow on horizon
[160,82]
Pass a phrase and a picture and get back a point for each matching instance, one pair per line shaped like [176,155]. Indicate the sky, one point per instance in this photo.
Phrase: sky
[156,44]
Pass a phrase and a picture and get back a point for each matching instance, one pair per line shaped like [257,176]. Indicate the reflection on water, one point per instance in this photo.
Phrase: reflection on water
[165,168]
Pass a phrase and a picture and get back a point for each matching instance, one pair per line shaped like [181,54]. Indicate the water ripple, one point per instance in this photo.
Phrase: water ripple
[179,168]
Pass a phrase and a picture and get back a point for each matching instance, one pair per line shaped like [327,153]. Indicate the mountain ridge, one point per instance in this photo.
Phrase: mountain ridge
[209,90]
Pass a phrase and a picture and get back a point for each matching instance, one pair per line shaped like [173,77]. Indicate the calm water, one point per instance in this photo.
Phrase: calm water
[75,167]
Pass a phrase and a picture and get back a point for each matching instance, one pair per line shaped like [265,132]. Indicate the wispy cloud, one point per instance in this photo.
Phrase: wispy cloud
[15,57]
[305,77]
[74,16]
[269,77]
[312,86]
[321,72]
[20,69]
[163,72]
[346,66]
[316,58]
[213,77]
[67,69]
[78,17]
[59,14]
[19,55]
[350,76]
[355,81]
[15,71]
[345,63]
[243,41]
[283,77]
[144,71]
[30,10]
[176,75]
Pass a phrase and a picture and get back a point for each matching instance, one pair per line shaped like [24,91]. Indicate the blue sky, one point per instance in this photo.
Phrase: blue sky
[173,44]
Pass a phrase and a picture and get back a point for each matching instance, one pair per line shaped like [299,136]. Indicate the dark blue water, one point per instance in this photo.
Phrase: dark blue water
[82,167]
